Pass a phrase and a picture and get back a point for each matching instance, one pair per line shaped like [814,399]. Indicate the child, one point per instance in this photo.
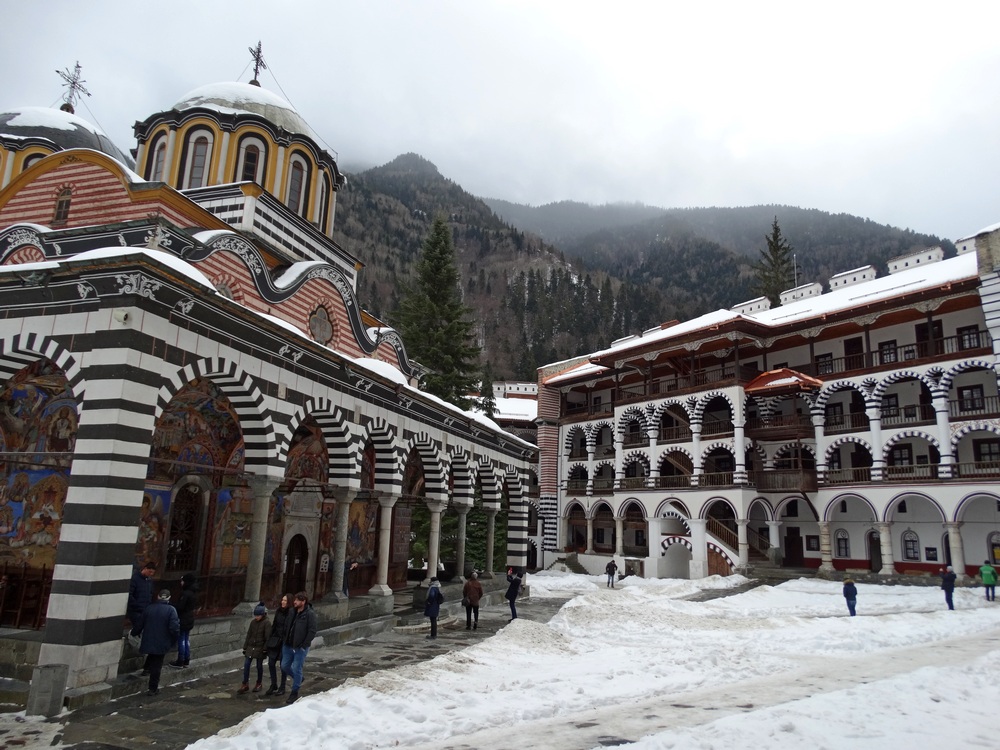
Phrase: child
[255,646]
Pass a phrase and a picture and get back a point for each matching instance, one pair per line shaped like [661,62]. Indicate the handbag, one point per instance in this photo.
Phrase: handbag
[273,642]
[465,601]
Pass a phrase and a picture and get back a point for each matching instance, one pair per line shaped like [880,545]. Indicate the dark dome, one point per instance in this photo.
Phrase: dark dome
[61,128]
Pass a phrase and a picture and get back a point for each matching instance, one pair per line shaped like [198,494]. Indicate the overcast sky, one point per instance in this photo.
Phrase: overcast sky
[889,111]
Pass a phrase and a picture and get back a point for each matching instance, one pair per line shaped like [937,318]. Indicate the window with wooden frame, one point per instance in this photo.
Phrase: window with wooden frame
[63,201]
[911,546]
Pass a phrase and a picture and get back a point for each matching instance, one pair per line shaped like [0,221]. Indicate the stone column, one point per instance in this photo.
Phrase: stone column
[699,545]
[774,538]
[262,487]
[885,544]
[434,543]
[875,425]
[957,551]
[340,543]
[620,537]
[696,451]
[819,434]
[945,469]
[463,514]
[739,446]
[381,587]
[491,520]
[825,552]
[743,551]
[590,536]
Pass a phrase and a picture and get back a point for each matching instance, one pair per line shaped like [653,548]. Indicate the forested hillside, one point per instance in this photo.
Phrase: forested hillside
[615,269]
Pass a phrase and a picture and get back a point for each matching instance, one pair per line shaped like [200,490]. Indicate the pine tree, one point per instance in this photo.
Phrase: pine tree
[774,271]
[435,323]
[487,401]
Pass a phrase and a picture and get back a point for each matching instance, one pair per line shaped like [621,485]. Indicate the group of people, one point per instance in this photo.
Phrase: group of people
[472,594]
[160,626]
[987,573]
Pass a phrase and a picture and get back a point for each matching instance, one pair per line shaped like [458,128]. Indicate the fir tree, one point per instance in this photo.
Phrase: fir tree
[773,271]
[435,323]
[487,401]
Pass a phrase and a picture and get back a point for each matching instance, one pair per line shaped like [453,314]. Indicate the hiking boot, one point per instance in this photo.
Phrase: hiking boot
[271,690]
[292,697]
[256,688]
[178,664]
[280,691]
[243,689]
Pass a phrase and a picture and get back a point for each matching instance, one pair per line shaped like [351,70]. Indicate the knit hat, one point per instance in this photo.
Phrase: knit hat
[259,610]
[164,595]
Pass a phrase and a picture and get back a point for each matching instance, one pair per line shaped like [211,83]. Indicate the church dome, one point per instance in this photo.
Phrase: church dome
[62,129]
[235,98]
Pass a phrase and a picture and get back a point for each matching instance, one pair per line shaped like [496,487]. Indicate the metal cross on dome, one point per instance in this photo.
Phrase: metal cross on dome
[74,86]
[258,59]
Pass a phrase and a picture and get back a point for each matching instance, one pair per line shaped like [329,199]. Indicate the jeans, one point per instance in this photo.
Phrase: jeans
[273,661]
[850,606]
[611,580]
[184,647]
[991,592]
[246,669]
[469,612]
[292,660]
[513,610]
[947,598]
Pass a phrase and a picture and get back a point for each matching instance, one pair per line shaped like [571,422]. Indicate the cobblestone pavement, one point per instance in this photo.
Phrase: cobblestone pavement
[186,712]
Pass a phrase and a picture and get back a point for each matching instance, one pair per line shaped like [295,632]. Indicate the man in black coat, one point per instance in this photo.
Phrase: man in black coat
[514,579]
[948,578]
[159,627]
[299,633]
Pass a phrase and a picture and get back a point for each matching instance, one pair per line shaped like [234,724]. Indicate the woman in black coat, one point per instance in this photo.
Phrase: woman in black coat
[514,579]
[274,643]
[187,603]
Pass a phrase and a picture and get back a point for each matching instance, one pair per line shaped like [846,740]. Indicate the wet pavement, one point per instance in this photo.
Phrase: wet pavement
[185,712]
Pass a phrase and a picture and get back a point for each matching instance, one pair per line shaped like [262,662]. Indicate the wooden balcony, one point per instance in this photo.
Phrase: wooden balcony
[781,427]
[911,414]
[837,423]
[861,475]
[676,434]
[717,427]
[672,482]
[975,407]
[784,480]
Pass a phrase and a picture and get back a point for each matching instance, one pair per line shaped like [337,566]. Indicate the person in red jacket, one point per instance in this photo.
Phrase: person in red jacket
[472,592]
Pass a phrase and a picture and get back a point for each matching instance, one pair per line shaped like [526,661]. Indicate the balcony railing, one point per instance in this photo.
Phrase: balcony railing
[909,473]
[716,479]
[634,439]
[578,453]
[576,485]
[677,434]
[910,414]
[723,533]
[848,476]
[891,356]
[672,481]
[974,407]
[604,484]
[784,480]
[836,423]
[977,470]
[716,427]
[633,483]
[781,425]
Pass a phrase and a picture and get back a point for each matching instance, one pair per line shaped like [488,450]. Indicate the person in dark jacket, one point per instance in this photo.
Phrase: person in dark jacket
[948,578]
[432,606]
[514,579]
[299,634]
[187,602]
[159,627]
[276,641]
[851,595]
[472,593]
[254,647]
[140,591]
[611,570]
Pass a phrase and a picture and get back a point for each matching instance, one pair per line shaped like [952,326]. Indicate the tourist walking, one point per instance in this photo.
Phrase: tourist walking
[989,575]
[255,647]
[299,635]
[187,602]
[472,592]
[140,595]
[612,570]
[514,579]
[432,606]
[850,595]
[279,626]
[158,628]
[948,585]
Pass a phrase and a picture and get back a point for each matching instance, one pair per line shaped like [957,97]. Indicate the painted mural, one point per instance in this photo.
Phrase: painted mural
[196,508]
[38,423]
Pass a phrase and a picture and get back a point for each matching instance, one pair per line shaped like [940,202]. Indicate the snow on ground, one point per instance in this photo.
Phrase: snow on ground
[773,667]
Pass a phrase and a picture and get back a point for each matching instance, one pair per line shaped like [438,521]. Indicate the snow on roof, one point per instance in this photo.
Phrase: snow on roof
[886,287]
[46,117]
[294,271]
[582,370]
[233,98]
[514,409]
[382,368]
[985,230]
[166,259]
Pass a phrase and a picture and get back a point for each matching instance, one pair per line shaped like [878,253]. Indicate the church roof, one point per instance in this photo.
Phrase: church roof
[236,98]
[62,129]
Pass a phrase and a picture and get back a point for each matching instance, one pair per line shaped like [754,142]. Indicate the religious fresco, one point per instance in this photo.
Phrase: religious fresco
[38,419]
[197,435]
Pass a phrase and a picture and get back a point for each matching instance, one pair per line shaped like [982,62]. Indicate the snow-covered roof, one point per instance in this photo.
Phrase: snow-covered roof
[63,129]
[573,373]
[233,98]
[846,298]
[117,251]
[984,230]
[515,409]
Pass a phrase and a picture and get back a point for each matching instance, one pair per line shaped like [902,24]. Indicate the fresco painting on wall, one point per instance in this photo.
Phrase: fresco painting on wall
[38,419]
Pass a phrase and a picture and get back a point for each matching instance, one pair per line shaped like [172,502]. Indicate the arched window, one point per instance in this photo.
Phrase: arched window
[199,152]
[62,206]
[324,204]
[155,168]
[843,543]
[911,545]
[33,159]
[251,160]
[993,542]
[298,171]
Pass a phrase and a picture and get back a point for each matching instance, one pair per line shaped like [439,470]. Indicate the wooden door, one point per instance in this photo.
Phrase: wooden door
[794,557]
[296,556]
